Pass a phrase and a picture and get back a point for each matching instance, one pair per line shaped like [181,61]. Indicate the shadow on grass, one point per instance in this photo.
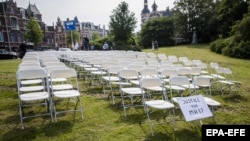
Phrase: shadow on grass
[31,133]
[234,98]
[165,132]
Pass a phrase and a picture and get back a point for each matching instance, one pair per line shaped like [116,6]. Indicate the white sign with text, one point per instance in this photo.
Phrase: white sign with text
[194,107]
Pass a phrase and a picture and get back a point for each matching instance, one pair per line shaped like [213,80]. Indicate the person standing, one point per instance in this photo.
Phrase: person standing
[76,46]
[85,43]
[105,46]
[22,49]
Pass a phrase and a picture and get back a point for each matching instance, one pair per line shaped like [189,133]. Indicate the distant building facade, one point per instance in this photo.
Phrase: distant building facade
[12,27]
[146,14]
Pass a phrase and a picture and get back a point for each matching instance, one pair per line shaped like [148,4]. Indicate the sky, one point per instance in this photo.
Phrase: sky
[96,11]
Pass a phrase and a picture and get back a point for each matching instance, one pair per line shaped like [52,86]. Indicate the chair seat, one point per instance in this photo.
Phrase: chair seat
[62,87]
[154,88]
[191,86]
[132,91]
[34,96]
[226,82]
[66,93]
[179,88]
[31,88]
[218,76]
[211,102]
[166,80]
[58,79]
[111,78]
[208,76]
[28,82]
[120,83]
[98,72]
[91,69]
[136,82]
[159,104]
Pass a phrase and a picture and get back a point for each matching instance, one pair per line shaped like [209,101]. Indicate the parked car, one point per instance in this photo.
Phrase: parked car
[4,54]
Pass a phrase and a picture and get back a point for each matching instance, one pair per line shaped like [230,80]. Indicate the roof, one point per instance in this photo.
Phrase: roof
[33,9]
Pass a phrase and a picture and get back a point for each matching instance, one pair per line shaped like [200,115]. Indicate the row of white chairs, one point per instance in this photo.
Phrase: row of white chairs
[132,86]
[48,85]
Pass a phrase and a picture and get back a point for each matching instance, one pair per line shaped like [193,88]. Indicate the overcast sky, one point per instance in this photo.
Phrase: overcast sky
[96,11]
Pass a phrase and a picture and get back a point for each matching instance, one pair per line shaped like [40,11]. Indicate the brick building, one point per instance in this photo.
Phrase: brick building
[12,27]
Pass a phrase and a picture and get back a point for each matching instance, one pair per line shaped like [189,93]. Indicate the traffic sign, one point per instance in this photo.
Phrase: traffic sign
[70,25]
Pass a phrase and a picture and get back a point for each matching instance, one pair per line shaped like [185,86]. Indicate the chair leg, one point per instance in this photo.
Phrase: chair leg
[149,121]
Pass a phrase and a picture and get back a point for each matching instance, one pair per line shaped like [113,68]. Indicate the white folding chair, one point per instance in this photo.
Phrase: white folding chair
[166,73]
[176,83]
[226,81]
[65,92]
[32,86]
[112,80]
[204,83]
[155,99]
[129,91]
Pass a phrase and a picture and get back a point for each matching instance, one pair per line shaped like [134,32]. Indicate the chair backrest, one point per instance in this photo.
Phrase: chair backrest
[55,63]
[114,70]
[63,73]
[214,65]
[149,72]
[29,65]
[150,82]
[179,80]
[128,74]
[50,68]
[201,81]
[184,71]
[166,73]
[195,70]
[31,73]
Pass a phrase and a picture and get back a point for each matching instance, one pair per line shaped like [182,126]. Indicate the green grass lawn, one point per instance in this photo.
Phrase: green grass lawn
[104,121]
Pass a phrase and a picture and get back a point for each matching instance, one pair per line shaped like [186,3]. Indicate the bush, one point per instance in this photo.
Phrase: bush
[217,45]
[238,50]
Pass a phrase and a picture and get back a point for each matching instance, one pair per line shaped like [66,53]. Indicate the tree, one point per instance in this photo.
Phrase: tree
[194,15]
[33,32]
[95,36]
[70,39]
[160,29]
[227,13]
[122,24]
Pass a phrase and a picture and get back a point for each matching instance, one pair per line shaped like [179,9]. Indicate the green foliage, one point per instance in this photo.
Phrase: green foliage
[238,44]
[122,23]
[160,29]
[227,13]
[72,36]
[218,45]
[33,32]
[238,50]
[95,36]
[193,15]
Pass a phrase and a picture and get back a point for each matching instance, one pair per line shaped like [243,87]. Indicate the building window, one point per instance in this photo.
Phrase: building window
[35,16]
[48,41]
[19,37]
[1,37]
[12,37]
[59,29]
[13,22]
[23,14]
[12,10]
